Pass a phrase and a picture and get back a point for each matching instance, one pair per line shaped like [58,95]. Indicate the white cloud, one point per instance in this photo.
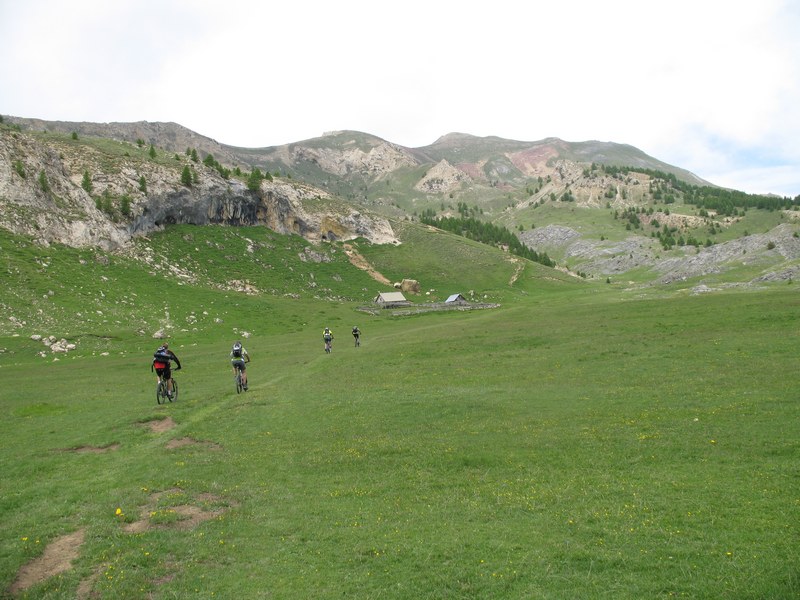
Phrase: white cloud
[703,84]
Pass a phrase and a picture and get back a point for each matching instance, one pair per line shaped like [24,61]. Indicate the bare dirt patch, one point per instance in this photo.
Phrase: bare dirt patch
[187,441]
[84,590]
[169,510]
[160,425]
[92,449]
[57,558]
[360,262]
[519,266]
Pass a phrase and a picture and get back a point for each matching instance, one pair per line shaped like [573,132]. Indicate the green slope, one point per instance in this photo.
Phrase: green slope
[569,444]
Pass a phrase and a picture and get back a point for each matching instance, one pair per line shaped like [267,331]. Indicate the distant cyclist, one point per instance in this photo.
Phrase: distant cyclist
[161,364]
[239,357]
[327,335]
[357,335]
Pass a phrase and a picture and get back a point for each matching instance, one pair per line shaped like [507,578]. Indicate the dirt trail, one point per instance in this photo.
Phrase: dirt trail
[359,261]
[57,558]
[519,266]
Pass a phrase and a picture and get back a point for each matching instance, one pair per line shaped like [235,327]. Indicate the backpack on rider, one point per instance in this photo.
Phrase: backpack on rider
[162,355]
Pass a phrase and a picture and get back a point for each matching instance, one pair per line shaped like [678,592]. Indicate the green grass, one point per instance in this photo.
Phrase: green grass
[449,264]
[571,444]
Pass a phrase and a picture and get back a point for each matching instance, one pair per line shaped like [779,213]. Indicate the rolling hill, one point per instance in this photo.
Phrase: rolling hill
[621,425]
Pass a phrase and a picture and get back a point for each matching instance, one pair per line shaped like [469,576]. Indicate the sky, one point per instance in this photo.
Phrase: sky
[712,86]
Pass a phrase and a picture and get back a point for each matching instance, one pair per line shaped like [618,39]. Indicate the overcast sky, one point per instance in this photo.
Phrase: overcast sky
[712,86]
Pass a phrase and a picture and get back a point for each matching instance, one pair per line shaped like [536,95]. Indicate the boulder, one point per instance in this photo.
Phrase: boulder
[410,286]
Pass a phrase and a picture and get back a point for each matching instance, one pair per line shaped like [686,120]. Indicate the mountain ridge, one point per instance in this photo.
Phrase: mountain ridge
[600,209]
[176,137]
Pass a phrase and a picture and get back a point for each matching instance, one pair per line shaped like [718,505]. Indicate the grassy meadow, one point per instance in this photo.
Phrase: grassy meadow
[577,442]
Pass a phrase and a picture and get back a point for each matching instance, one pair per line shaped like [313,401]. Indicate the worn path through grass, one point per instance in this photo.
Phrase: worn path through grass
[588,447]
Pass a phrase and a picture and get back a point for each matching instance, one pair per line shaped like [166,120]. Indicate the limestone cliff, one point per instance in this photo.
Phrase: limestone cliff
[62,188]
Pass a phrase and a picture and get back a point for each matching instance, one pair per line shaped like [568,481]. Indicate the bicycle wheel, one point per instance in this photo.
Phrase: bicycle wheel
[174,391]
[238,382]
[161,393]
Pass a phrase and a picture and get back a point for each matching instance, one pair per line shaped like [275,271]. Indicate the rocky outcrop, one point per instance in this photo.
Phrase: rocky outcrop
[43,193]
[168,136]
[441,178]
[380,159]
[37,197]
[606,258]
[287,208]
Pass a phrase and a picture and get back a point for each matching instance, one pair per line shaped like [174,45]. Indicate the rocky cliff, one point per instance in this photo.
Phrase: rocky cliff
[80,192]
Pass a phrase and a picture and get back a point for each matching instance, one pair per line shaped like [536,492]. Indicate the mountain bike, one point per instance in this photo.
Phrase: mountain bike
[328,345]
[161,391]
[238,378]
[239,386]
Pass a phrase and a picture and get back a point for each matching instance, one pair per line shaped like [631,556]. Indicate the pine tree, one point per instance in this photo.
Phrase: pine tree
[254,180]
[86,184]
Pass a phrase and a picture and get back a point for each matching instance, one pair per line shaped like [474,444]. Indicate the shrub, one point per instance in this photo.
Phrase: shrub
[43,182]
[86,184]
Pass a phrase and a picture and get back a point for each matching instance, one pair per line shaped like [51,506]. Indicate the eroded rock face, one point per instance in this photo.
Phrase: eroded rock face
[43,195]
[37,197]
[442,178]
[383,158]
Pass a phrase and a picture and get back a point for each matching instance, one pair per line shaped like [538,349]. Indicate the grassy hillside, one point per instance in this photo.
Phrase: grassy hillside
[573,443]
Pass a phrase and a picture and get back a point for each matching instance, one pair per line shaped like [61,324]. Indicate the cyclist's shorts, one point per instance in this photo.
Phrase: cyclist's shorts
[238,364]
[165,373]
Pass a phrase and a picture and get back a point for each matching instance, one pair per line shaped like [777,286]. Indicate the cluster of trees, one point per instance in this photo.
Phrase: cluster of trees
[486,233]
[723,201]
[114,207]
[726,202]
[212,162]
[189,176]
[255,178]
[667,236]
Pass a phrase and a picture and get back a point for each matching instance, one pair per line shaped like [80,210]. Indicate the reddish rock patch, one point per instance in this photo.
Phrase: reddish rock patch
[57,558]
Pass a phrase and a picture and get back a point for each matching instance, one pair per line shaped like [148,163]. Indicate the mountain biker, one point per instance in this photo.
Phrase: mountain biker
[161,364]
[239,357]
[357,335]
[327,335]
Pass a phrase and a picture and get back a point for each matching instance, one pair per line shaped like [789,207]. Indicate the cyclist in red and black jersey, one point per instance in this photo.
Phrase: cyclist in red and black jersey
[161,364]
